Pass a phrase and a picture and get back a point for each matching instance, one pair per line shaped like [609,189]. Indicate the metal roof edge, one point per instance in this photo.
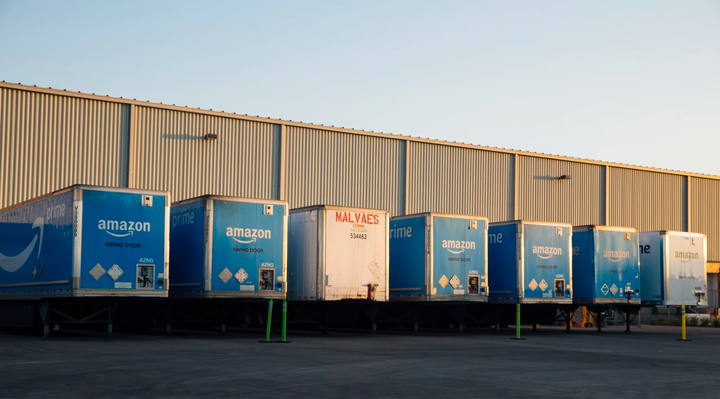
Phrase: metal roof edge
[18,86]
[220,197]
[604,227]
[83,186]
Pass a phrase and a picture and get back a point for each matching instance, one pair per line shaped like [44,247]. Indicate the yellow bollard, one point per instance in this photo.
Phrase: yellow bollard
[684,332]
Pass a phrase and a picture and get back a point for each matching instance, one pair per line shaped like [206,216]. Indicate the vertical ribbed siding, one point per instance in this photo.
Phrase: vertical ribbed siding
[705,213]
[48,142]
[172,154]
[343,169]
[544,197]
[648,201]
[52,140]
[460,180]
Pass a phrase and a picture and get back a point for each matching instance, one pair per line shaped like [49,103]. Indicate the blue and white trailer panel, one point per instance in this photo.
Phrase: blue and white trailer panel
[438,257]
[86,241]
[673,268]
[338,253]
[228,247]
[530,262]
[606,265]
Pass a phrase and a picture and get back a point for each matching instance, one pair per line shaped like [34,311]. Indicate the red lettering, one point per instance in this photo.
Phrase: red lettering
[350,217]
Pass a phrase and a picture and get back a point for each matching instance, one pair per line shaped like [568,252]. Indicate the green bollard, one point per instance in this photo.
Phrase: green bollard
[269,322]
[517,324]
[283,339]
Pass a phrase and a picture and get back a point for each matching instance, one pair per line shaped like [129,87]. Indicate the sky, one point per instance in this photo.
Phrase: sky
[635,82]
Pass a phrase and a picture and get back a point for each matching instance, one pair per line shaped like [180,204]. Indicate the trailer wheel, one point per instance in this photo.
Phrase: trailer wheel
[248,317]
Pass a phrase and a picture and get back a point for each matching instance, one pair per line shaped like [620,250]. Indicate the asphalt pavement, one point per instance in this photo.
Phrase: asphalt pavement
[647,362]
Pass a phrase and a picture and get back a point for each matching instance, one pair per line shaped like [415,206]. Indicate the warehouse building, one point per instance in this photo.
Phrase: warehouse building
[55,138]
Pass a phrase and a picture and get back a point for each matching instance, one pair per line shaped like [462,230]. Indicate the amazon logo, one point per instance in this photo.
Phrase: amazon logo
[13,263]
[686,257]
[457,247]
[122,228]
[247,236]
[546,252]
[616,256]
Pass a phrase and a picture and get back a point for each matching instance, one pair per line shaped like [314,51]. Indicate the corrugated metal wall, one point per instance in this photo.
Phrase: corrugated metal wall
[646,200]
[705,213]
[460,180]
[48,142]
[172,155]
[344,169]
[544,197]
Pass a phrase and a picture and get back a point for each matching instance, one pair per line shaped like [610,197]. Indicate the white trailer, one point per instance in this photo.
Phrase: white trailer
[673,268]
[338,253]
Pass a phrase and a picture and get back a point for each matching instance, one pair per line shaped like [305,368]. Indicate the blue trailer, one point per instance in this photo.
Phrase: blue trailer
[529,262]
[606,265]
[438,257]
[228,247]
[85,241]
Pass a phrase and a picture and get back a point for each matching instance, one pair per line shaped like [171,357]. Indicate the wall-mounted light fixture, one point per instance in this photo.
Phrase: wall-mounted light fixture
[564,177]
[210,136]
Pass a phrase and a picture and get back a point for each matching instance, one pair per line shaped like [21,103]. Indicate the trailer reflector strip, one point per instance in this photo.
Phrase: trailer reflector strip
[35,284]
